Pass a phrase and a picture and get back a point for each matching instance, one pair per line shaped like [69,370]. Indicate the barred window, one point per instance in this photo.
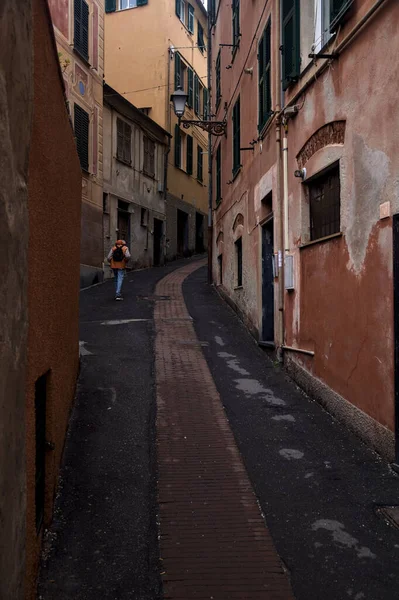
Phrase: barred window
[325,204]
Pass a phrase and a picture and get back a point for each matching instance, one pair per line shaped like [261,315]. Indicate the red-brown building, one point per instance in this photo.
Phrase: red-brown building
[40,210]
[306,194]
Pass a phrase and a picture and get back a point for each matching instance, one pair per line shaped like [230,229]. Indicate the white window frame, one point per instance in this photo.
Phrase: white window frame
[128,3]
[321,24]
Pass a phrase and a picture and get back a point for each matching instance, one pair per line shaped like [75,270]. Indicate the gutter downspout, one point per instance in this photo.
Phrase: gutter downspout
[167,152]
[279,97]
[285,188]
[210,160]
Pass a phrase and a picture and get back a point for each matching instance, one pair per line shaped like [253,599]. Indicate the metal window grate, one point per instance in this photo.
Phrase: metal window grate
[325,204]
[40,430]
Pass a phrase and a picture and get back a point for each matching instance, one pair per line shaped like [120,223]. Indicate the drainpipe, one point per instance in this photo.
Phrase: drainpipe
[167,151]
[210,161]
[285,187]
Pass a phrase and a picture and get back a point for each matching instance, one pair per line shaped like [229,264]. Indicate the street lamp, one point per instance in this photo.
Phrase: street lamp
[179,99]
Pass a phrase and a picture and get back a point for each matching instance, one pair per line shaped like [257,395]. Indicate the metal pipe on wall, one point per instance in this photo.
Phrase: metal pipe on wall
[210,161]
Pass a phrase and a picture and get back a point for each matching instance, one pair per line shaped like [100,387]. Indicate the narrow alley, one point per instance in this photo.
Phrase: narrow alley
[184,429]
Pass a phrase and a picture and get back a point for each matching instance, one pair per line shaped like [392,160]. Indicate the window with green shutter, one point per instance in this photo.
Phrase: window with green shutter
[264,68]
[218,175]
[218,81]
[196,95]
[177,146]
[81,28]
[142,2]
[236,24]
[189,165]
[338,10]
[199,163]
[178,7]
[200,38]
[81,127]
[110,6]
[178,81]
[290,47]
[236,137]
[190,24]
[205,106]
[190,87]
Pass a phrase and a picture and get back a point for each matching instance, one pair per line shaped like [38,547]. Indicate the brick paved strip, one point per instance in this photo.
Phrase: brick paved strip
[214,542]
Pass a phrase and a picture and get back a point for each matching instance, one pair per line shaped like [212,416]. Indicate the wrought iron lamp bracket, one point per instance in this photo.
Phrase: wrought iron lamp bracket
[212,127]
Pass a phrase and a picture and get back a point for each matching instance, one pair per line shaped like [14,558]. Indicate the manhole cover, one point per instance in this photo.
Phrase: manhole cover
[390,514]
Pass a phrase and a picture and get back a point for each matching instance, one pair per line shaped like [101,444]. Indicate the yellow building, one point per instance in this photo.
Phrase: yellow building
[151,48]
[79,32]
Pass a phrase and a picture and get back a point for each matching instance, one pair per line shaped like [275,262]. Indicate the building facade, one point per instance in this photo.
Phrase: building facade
[79,30]
[306,197]
[135,151]
[147,74]
[40,238]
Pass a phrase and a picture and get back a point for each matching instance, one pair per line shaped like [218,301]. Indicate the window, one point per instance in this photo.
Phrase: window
[220,268]
[180,10]
[190,87]
[200,38]
[218,82]
[218,175]
[205,104]
[81,126]
[325,204]
[81,28]
[124,135]
[144,217]
[178,147]
[111,5]
[338,9]
[40,437]
[290,46]
[149,157]
[196,95]
[238,246]
[199,163]
[328,14]
[236,137]
[190,21]
[189,158]
[236,24]
[178,78]
[264,90]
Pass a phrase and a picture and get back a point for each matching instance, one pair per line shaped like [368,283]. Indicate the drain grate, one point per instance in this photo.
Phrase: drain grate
[390,514]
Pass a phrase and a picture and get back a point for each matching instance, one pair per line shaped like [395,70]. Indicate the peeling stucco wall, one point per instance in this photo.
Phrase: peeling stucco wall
[16,89]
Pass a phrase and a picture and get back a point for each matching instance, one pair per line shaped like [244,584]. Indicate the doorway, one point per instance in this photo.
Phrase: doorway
[395,235]
[267,283]
[182,233]
[199,233]
[158,233]
[124,221]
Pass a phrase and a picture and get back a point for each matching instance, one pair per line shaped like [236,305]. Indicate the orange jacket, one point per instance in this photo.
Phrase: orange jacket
[125,249]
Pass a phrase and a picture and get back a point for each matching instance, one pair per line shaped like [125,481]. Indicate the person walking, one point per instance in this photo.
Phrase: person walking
[118,257]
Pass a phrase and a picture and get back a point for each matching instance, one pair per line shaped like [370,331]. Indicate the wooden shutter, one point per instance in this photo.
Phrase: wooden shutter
[264,65]
[110,6]
[178,7]
[200,38]
[177,146]
[218,82]
[81,28]
[290,48]
[205,111]
[196,95]
[189,155]
[177,71]
[81,127]
[127,143]
[199,163]
[190,18]
[236,24]
[142,2]
[190,87]
[236,137]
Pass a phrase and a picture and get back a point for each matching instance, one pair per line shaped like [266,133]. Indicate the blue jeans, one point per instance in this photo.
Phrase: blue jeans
[119,275]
